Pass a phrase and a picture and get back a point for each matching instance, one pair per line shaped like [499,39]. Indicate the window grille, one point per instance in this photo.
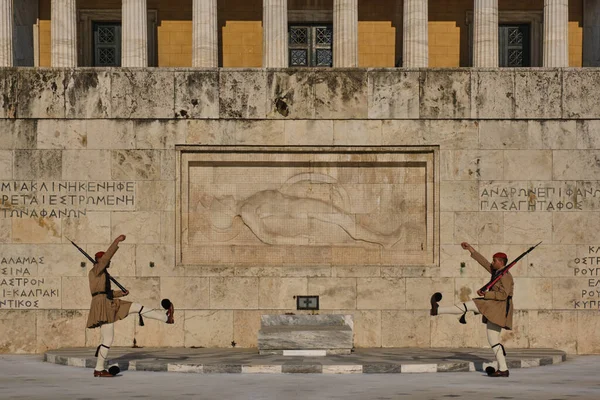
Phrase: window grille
[107,44]
[514,46]
[310,45]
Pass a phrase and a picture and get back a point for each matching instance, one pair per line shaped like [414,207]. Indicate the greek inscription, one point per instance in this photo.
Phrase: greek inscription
[520,196]
[10,303]
[20,288]
[62,199]
[588,269]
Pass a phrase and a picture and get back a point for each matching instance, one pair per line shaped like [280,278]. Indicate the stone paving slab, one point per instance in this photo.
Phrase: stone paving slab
[248,361]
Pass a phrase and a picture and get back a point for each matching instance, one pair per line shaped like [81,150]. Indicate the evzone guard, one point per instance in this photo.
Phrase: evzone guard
[106,307]
[495,305]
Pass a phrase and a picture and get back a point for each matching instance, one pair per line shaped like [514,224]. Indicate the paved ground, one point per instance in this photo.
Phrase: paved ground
[27,377]
[236,360]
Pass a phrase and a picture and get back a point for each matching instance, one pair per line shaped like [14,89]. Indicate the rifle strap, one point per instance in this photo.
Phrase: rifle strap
[107,287]
[508,304]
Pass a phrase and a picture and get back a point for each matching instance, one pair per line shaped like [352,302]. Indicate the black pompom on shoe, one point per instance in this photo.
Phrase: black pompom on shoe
[114,370]
[490,370]
[165,303]
[435,299]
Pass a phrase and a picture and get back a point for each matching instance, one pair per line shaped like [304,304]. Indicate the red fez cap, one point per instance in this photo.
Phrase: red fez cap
[500,255]
[101,253]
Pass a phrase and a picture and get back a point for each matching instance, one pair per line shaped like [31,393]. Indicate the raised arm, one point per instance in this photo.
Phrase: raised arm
[100,266]
[477,257]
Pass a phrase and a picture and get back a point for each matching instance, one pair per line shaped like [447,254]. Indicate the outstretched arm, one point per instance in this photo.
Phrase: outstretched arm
[100,266]
[477,257]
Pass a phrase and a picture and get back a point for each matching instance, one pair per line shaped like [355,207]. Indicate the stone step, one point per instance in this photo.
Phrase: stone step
[284,338]
[319,320]
[291,328]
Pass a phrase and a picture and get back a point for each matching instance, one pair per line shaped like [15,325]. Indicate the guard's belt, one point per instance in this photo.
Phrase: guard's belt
[97,293]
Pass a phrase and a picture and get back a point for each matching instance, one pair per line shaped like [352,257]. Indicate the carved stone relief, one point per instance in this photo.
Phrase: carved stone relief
[269,203]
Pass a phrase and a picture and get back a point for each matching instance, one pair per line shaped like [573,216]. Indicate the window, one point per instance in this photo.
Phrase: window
[90,20]
[310,45]
[513,46]
[107,44]
[526,38]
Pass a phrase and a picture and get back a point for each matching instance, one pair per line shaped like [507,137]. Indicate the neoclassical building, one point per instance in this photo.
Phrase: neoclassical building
[280,33]
[257,152]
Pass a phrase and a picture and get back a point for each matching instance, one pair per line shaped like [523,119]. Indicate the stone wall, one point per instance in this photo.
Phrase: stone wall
[99,151]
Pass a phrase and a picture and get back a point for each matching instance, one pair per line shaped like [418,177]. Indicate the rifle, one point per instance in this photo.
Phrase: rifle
[504,271]
[94,262]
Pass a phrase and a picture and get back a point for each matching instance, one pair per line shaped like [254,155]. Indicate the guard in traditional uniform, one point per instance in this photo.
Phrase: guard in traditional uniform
[495,305]
[106,307]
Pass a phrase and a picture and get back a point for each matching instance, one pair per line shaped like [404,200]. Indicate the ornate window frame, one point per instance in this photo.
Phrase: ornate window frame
[85,19]
[534,18]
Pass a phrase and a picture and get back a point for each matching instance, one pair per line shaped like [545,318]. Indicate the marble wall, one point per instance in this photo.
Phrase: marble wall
[88,154]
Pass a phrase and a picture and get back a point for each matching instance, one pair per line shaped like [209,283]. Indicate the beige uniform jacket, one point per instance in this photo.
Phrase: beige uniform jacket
[496,306]
[103,310]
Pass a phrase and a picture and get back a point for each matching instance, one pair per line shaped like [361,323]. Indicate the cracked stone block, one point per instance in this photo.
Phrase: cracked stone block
[538,94]
[197,94]
[341,94]
[242,94]
[290,94]
[393,94]
[445,94]
[142,93]
[88,94]
[41,93]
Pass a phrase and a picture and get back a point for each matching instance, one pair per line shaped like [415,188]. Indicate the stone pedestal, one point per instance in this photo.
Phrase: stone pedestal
[135,34]
[415,46]
[205,51]
[485,37]
[345,33]
[306,334]
[64,33]
[556,33]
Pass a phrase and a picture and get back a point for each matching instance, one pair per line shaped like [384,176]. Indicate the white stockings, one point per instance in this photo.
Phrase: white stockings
[107,331]
[493,330]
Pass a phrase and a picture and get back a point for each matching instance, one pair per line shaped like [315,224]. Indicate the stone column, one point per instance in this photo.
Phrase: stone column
[275,34]
[415,49]
[6,33]
[205,46]
[556,33]
[63,32]
[485,36]
[135,34]
[591,33]
[345,33]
